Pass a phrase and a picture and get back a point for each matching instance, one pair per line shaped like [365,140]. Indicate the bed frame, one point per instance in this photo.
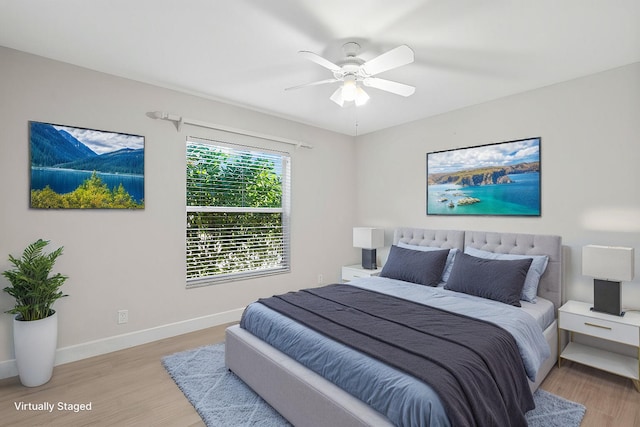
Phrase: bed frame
[307,399]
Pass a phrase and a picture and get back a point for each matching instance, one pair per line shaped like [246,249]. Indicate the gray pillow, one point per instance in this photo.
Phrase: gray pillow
[538,266]
[450,258]
[499,280]
[424,268]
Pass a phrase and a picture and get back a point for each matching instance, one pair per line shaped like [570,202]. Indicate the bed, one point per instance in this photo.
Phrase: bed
[302,393]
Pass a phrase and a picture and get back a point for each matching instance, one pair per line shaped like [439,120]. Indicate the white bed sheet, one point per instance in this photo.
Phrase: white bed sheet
[543,311]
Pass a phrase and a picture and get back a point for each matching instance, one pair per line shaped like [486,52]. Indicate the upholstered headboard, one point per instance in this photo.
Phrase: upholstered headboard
[445,239]
[550,286]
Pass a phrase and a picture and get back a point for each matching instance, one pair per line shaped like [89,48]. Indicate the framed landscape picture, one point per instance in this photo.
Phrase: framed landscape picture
[492,179]
[78,168]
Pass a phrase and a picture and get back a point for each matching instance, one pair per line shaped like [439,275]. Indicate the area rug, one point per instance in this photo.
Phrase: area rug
[222,399]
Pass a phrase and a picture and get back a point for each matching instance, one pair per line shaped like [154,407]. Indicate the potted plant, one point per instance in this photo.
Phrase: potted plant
[35,324]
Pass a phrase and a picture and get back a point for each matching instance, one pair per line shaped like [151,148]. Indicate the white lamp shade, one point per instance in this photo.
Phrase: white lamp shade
[349,88]
[608,262]
[337,97]
[361,97]
[368,237]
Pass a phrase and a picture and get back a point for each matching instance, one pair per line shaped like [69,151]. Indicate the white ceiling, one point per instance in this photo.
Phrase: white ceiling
[244,52]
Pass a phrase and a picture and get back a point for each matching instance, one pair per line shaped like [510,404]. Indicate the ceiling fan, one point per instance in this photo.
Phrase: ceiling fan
[354,72]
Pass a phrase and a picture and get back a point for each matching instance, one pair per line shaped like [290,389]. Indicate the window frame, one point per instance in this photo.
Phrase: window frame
[284,210]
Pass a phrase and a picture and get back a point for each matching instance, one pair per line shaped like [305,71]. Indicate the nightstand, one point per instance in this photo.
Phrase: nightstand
[577,317]
[350,272]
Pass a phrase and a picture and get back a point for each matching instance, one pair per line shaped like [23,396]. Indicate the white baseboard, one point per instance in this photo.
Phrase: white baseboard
[76,352]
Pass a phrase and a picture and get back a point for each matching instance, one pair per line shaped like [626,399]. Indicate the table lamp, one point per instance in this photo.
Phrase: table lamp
[369,239]
[608,265]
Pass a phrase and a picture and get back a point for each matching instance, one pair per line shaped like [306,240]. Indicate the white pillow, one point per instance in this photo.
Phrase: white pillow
[536,270]
[450,258]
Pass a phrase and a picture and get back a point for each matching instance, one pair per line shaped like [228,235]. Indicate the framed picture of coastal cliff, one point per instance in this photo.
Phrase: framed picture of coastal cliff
[79,168]
[493,179]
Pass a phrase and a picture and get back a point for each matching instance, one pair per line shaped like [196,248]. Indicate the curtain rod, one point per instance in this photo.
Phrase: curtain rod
[179,121]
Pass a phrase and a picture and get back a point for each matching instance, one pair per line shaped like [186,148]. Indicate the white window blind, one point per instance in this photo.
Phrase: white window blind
[238,203]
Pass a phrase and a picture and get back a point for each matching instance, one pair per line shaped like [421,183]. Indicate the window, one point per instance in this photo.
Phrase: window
[237,212]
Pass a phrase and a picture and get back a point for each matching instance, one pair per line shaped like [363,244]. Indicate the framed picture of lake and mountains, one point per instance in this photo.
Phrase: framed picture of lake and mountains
[493,179]
[79,168]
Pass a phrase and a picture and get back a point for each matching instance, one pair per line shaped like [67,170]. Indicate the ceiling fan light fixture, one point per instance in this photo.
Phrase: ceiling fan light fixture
[361,97]
[355,72]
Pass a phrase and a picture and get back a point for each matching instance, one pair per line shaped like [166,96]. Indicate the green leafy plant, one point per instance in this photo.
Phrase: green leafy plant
[32,287]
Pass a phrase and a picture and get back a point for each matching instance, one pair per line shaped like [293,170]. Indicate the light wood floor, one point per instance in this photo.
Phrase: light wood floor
[132,388]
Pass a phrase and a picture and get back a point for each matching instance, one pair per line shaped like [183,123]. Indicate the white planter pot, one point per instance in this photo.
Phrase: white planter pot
[35,345]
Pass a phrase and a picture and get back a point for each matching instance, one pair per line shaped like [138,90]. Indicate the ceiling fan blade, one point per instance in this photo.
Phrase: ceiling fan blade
[319,60]
[397,57]
[389,86]
[320,82]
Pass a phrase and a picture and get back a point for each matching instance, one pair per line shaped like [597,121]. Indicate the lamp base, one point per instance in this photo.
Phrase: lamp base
[607,297]
[369,259]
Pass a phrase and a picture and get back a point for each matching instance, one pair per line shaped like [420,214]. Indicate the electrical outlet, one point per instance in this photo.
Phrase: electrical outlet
[123,316]
[320,279]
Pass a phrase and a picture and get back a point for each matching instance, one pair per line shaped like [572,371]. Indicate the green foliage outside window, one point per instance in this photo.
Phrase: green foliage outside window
[241,235]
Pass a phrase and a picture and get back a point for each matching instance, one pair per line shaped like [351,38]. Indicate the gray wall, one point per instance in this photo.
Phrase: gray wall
[590,129]
[134,260]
